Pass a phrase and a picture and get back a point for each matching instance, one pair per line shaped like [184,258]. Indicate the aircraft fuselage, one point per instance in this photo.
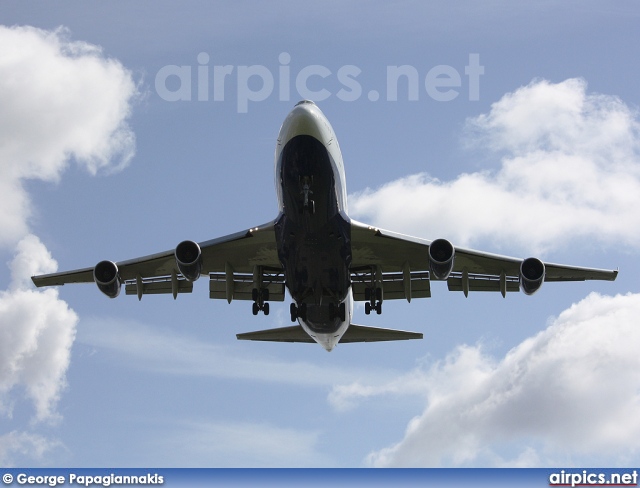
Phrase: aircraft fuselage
[312,229]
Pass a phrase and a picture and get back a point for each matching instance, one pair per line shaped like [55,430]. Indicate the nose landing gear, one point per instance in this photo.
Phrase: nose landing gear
[308,205]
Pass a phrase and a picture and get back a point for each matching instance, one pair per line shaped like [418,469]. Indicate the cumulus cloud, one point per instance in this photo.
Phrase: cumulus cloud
[569,169]
[566,396]
[37,330]
[61,101]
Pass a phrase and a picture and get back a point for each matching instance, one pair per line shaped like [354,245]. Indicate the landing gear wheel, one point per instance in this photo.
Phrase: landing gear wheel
[342,311]
[294,312]
[260,298]
[373,297]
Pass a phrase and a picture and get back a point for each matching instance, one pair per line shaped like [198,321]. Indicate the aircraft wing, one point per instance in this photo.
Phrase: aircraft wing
[401,264]
[235,256]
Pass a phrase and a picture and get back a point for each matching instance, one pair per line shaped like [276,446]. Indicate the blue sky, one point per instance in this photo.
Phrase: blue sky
[96,163]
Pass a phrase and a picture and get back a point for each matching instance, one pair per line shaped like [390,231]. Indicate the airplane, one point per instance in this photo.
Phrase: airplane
[325,259]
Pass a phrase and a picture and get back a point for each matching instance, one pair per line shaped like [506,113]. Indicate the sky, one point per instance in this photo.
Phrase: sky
[127,127]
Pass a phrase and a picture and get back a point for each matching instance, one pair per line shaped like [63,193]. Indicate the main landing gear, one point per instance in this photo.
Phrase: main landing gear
[298,311]
[374,297]
[339,311]
[260,300]
[335,311]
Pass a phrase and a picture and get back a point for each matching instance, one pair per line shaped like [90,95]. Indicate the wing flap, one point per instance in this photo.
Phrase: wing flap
[393,285]
[482,283]
[158,286]
[243,285]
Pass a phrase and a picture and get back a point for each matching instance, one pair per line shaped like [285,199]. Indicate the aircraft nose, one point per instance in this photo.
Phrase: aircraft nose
[305,119]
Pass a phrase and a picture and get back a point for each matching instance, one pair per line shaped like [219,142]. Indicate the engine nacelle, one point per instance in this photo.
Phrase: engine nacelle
[531,275]
[441,254]
[189,259]
[106,276]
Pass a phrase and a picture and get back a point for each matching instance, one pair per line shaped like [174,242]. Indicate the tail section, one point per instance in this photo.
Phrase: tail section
[355,333]
[295,333]
[364,333]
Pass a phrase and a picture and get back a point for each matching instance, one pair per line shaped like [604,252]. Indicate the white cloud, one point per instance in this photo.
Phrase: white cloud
[20,448]
[37,330]
[61,100]
[570,169]
[345,397]
[32,258]
[567,396]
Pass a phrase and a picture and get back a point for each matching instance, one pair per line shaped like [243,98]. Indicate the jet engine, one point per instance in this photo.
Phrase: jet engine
[189,259]
[531,275]
[105,274]
[441,254]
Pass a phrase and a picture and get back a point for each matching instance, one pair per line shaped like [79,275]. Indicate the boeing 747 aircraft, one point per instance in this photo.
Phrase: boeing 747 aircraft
[325,259]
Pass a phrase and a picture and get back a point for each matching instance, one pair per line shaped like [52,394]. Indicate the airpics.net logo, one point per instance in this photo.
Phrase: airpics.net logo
[257,83]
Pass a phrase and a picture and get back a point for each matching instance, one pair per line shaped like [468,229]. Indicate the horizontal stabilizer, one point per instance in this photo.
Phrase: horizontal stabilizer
[295,333]
[355,333]
[364,333]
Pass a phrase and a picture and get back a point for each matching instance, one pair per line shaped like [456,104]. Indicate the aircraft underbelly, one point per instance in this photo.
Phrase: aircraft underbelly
[313,236]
